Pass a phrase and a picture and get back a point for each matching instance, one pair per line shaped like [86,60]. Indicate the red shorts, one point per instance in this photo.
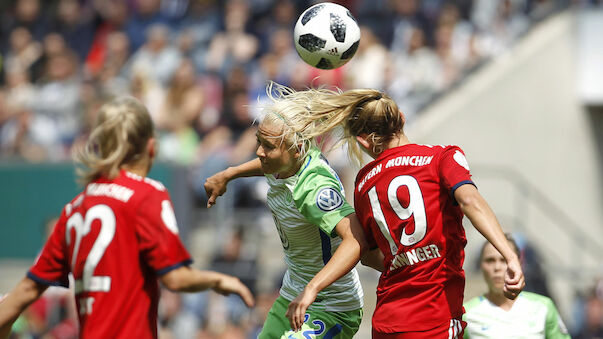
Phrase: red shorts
[451,330]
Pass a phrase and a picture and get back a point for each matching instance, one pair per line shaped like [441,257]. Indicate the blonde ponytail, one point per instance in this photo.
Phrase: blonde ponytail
[120,135]
[308,114]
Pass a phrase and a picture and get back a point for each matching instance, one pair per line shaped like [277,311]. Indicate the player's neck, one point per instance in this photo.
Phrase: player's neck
[140,168]
[398,140]
[500,300]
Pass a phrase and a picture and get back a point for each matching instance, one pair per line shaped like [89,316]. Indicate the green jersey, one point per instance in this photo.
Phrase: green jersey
[531,316]
[306,208]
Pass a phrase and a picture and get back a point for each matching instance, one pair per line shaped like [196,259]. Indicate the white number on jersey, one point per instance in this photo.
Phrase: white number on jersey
[416,207]
[81,225]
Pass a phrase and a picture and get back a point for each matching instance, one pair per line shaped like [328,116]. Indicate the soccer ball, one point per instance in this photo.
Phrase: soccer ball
[326,35]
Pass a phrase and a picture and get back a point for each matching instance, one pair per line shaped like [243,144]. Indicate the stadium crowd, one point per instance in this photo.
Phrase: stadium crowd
[201,67]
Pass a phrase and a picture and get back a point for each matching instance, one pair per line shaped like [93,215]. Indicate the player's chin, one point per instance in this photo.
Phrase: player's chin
[267,169]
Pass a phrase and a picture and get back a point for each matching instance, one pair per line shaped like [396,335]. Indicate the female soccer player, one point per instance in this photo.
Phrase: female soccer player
[319,231]
[117,237]
[529,315]
[410,201]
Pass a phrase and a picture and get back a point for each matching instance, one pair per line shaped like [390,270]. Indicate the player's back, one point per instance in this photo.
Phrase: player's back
[115,237]
[403,200]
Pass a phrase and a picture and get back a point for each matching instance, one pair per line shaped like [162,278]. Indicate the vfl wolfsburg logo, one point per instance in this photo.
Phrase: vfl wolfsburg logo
[328,199]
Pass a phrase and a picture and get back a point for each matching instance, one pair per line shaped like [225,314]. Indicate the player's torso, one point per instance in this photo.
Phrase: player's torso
[417,226]
[103,254]
[526,319]
[307,248]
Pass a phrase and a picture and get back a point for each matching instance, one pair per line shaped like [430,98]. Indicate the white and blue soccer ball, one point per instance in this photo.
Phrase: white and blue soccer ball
[326,35]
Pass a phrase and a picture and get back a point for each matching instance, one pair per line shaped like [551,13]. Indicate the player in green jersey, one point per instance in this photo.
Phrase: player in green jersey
[322,239]
[493,315]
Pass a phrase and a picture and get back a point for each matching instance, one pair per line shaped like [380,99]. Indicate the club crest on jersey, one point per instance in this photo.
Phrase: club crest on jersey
[328,199]
[461,160]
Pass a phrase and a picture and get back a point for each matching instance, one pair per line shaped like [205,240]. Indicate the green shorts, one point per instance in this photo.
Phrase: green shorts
[317,324]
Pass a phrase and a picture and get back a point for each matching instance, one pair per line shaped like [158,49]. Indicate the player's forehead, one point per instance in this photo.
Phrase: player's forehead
[270,131]
[490,252]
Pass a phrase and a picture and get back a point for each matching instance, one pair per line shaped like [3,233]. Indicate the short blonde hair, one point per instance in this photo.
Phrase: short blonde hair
[119,136]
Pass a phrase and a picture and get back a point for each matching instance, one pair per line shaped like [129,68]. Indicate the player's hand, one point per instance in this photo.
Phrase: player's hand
[514,279]
[215,186]
[297,308]
[228,284]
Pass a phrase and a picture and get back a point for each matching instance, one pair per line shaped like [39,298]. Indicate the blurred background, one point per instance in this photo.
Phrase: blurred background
[518,84]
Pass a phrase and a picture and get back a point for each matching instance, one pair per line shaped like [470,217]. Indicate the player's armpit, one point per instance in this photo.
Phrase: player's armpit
[374,259]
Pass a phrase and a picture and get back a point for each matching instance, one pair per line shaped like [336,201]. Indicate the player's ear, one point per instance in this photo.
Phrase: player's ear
[364,141]
[152,147]
[403,118]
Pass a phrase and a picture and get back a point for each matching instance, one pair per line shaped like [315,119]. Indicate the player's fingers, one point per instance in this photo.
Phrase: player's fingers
[298,319]
[289,315]
[247,297]
[212,200]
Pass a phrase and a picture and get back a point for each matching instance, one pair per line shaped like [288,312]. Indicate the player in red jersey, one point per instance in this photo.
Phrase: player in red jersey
[410,201]
[117,237]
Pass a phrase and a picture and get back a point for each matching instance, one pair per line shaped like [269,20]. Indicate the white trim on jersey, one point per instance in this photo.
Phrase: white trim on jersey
[455,329]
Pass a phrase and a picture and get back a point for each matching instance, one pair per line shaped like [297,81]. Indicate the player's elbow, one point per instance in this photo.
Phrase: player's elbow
[467,197]
[176,280]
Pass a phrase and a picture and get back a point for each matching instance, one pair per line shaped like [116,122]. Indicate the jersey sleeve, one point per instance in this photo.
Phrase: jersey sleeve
[453,169]
[51,266]
[157,231]
[554,328]
[319,197]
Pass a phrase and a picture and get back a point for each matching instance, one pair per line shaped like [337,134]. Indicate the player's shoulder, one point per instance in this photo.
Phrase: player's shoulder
[473,303]
[316,171]
[438,148]
[74,203]
[536,298]
[141,183]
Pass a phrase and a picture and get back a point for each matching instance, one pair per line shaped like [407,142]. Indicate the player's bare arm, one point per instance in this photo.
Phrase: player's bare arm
[345,258]
[215,185]
[373,259]
[483,219]
[26,292]
[186,279]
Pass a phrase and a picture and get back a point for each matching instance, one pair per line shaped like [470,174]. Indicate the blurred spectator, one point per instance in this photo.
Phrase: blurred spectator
[180,109]
[234,260]
[113,75]
[416,76]
[27,14]
[531,262]
[201,22]
[233,46]
[407,16]
[112,15]
[74,26]
[157,59]
[593,319]
[23,51]
[369,67]
[57,97]
[146,13]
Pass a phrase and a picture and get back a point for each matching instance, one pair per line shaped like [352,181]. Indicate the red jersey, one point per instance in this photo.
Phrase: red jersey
[405,203]
[116,238]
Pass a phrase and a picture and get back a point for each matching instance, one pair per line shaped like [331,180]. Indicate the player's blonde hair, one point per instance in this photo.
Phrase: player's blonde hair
[315,112]
[123,127]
